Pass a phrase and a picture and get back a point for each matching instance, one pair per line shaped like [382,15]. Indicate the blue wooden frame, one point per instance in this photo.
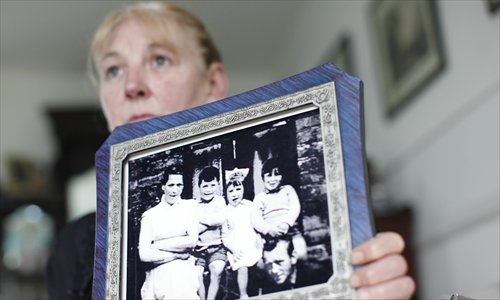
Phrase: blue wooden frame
[348,91]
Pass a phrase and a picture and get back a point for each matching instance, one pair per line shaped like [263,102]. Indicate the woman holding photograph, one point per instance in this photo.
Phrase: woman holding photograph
[153,59]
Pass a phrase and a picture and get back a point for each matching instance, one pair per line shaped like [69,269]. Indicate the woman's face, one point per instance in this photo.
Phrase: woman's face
[173,188]
[142,79]
[234,194]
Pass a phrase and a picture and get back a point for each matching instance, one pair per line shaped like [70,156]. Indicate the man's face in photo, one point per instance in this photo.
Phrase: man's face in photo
[279,264]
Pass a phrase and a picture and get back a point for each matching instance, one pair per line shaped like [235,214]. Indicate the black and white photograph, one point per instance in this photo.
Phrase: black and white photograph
[232,216]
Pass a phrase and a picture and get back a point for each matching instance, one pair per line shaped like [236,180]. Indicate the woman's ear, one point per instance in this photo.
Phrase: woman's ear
[218,82]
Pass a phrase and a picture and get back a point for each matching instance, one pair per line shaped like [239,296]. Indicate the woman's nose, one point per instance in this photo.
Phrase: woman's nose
[136,86]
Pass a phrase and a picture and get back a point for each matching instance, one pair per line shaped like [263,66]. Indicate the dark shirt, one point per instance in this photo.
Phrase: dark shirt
[71,265]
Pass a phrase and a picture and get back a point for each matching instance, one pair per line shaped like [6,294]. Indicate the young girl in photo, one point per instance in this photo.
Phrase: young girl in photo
[240,237]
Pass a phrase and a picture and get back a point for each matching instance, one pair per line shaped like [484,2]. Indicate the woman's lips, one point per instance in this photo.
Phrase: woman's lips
[141,117]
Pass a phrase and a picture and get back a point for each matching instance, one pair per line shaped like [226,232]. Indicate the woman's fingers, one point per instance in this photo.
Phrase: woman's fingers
[384,269]
[381,245]
[400,288]
[382,275]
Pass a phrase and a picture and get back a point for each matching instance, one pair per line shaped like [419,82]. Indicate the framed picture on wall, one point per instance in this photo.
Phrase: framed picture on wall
[341,54]
[163,185]
[410,52]
[493,5]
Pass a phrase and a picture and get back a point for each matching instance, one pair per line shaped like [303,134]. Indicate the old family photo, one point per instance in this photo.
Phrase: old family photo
[233,216]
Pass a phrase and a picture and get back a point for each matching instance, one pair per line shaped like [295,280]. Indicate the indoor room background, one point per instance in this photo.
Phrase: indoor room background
[434,159]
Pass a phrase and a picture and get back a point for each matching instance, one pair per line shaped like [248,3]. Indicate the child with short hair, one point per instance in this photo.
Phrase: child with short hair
[241,240]
[209,251]
[276,209]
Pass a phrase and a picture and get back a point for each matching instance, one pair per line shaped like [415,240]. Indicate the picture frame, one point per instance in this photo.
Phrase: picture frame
[493,6]
[26,179]
[311,123]
[410,50]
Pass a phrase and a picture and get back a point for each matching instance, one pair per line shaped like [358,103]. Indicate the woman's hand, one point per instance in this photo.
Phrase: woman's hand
[284,227]
[383,275]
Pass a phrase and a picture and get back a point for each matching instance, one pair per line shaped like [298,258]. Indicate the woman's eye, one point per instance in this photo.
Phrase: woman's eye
[161,60]
[113,72]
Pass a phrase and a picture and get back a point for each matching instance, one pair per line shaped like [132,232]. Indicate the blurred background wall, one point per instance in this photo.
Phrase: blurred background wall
[438,156]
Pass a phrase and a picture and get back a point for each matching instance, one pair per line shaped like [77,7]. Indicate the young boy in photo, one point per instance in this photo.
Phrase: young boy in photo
[209,251]
[276,209]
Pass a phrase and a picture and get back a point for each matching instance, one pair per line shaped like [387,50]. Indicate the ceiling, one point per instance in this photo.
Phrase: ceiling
[56,34]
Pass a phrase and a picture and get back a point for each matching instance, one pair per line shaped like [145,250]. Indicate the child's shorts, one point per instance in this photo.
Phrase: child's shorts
[206,256]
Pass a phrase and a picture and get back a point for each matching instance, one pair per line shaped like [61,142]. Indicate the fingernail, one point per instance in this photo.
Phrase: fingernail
[355,281]
[357,257]
[362,295]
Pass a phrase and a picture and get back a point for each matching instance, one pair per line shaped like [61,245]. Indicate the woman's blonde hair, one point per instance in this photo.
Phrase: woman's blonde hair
[157,15]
